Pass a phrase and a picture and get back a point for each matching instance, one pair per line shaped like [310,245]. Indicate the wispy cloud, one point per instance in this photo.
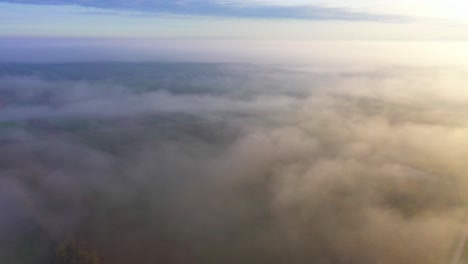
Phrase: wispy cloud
[268,9]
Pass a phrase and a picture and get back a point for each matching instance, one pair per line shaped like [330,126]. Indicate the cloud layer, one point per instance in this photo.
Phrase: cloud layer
[278,166]
[239,9]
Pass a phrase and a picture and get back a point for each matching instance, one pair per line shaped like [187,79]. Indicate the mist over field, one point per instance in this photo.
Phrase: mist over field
[233,163]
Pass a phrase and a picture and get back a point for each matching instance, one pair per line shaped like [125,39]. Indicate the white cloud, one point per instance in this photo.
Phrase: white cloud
[362,167]
[453,10]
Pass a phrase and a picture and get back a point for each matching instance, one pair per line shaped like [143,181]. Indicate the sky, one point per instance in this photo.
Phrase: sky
[237,19]
[353,32]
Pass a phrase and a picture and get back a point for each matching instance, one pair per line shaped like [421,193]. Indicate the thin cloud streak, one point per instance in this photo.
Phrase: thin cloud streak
[236,9]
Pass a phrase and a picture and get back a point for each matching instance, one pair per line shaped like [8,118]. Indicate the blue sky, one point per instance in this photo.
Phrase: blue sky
[240,19]
[239,9]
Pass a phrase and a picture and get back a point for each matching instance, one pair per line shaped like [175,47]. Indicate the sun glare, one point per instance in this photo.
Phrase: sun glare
[453,10]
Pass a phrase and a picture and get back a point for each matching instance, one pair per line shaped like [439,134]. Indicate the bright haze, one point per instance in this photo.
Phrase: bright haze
[233,131]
